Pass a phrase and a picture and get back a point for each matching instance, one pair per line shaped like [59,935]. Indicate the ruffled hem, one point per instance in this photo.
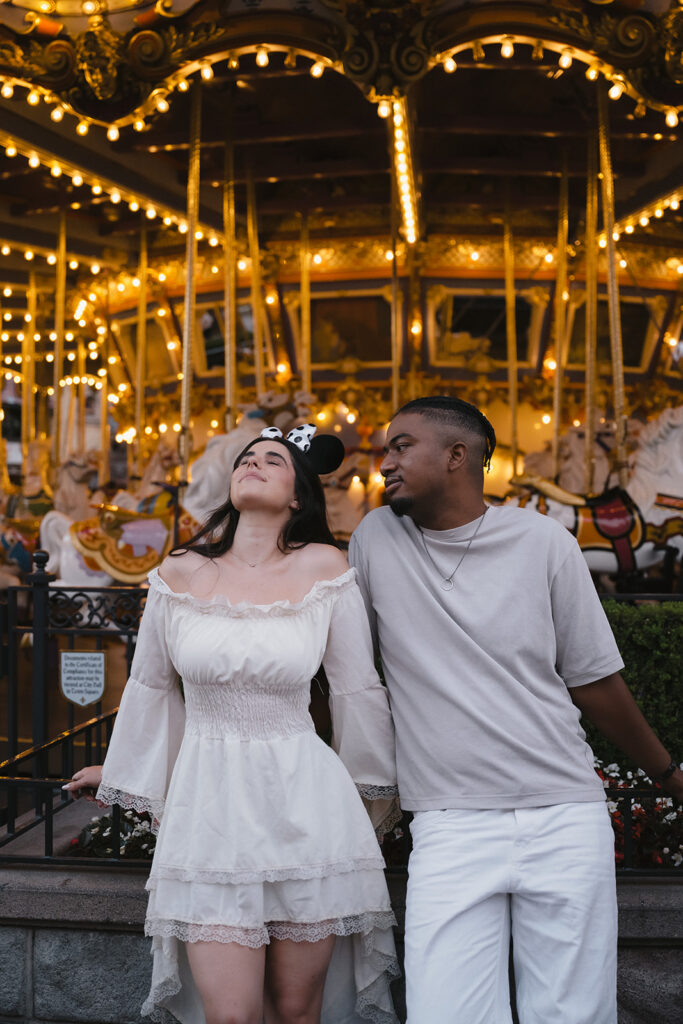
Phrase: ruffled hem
[219,603]
[132,802]
[298,931]
[240,876]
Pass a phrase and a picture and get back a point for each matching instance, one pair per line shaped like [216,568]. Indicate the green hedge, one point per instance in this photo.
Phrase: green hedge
[650,638]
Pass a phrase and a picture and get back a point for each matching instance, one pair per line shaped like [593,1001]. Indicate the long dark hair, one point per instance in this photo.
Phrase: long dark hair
[307,524]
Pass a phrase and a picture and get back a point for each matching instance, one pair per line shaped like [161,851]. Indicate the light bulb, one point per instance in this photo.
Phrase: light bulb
[56,171]
[449,65]
[96,190]
[566,58]
[134,205]
[73,264]
[34,161]
[112,133]
[262,57]
[592,73]
[317,69]
[507,48]
[115,197]
[139,125]
[76,180]
[474,255]
[10,150]
[644,221]
[384,108]
[242,265]
[206,72]
[94,268]
[629,229]
[674,204]
[150,213]
[82,127]
[162,105]
[183,85]
[57,114]
[659,212]
[616,91]
[28,255]
[7,90]
[33,98]
[672,118]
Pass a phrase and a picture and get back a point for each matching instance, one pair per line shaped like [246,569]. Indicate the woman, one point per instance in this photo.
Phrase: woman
[265,854]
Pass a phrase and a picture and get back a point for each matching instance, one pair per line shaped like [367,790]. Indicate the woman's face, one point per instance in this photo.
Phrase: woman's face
[264,478]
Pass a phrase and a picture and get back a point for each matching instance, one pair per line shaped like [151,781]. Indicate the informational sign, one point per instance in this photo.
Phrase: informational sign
[81,676]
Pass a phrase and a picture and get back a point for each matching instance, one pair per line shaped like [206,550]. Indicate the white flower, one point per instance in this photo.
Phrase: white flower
[612,806]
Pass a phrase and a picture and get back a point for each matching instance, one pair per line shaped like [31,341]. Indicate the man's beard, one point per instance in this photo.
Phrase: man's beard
[401,506]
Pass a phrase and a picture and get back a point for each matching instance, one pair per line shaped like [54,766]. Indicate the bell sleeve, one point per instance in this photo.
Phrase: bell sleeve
[362,728]
[150,722]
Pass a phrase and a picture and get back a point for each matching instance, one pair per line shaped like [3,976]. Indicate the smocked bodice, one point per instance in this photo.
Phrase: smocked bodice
[247,669]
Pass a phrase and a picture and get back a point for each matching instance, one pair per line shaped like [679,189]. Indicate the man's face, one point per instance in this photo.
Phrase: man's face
[415,464]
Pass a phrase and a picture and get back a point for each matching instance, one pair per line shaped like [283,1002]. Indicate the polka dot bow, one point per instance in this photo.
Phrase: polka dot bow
[300,436]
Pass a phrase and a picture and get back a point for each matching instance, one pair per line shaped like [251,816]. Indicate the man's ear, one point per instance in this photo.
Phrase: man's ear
[457,456]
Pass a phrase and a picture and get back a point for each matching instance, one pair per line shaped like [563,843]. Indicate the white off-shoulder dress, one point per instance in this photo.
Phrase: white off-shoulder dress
[263,833]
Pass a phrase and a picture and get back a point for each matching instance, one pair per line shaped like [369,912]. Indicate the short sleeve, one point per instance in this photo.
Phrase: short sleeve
[362,728]
[585,644]
[150,722]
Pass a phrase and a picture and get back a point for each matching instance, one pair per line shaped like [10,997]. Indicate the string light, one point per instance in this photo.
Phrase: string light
[162,105]
[183,85]
[384,108]
[592,73]
[566,58]
[672,118]
[34,161]
[113,133]
[7,90]
[317,69]
[507,47]
[616,91]
[449,66]
[33,98]
[96,189]
[139,125]
[56,171]
[77,180]
[207,72]
[10,150]
[115,196]
[262,57]
[57,114]
[82,127]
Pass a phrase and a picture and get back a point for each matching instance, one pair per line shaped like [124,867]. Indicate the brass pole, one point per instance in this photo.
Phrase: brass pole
[185,443]
[395,335]
[3,461]
[141,352]
[561,297]
[305,303]
[511,333]
[256,316]
[30,361]
[591,318]
[60,298]
[81,396]
[612,287]
[230,286]
[103,467]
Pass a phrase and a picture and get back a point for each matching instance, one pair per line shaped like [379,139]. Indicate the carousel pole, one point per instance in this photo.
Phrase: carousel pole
[256,316]
[612,287]
[103,468]
[305,303]
[561,297]
[30,363]
[81,396]
[60,298]
[230,285]
[511,332]
[141,352]
[193,181]
[395,332]
[591,318]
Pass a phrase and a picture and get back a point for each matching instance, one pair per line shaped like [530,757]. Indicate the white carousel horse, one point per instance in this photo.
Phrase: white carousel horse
[625,530]
[72,503]
[156,473]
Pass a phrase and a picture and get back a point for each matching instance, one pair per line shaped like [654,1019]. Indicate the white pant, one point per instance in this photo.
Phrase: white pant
[544,875]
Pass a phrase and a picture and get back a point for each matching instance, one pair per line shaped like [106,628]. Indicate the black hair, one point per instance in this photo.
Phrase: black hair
[307,524]
[454,412]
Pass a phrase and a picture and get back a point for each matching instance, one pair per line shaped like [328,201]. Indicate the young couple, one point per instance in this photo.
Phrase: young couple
[267,900]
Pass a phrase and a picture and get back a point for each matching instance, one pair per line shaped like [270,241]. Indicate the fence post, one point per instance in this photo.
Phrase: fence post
[39,581]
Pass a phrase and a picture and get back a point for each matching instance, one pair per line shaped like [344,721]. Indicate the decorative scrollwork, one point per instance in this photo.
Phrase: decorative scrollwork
[411,60]
[59,59]
[115,609]
[148,49]
[634,36]
[673,45]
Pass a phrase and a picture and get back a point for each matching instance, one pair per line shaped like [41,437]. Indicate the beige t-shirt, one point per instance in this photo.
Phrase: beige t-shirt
[478,675]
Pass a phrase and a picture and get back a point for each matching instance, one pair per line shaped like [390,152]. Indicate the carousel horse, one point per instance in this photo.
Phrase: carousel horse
[624,530]
[21,510]
[73,502]
[156,473]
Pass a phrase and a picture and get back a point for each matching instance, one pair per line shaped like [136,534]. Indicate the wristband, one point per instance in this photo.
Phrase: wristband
[666,774]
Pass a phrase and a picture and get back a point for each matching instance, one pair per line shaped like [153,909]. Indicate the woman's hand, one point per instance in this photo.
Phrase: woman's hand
[85,783]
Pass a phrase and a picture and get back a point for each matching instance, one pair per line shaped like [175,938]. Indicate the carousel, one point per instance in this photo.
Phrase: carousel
[216,216]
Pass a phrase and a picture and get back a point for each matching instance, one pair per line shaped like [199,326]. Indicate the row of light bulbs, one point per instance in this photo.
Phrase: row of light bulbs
[157,102]
[567,56]
[114,194]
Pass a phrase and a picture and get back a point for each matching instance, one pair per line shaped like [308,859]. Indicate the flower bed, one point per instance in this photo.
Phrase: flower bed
[657,822]
[136,839]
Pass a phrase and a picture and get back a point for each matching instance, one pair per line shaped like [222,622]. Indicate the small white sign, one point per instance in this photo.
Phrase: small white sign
[81,676]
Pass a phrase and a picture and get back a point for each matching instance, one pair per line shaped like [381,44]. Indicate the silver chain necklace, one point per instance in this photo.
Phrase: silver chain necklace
[447,581]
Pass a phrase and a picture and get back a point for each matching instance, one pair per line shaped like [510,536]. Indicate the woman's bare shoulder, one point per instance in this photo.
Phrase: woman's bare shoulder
[178,570]
[324,561]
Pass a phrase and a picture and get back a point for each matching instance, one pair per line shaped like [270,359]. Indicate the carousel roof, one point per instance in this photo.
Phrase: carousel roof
[497,101]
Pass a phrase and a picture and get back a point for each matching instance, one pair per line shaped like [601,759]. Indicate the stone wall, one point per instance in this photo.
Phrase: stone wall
[72,948]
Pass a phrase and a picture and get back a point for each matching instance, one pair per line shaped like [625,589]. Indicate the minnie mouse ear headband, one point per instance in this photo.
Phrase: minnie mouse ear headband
[325,453]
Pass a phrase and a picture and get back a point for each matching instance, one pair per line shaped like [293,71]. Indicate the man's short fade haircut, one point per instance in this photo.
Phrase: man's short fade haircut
[454,412]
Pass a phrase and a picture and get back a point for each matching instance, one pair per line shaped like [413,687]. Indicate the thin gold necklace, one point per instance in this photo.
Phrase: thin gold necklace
[252,565]
[447,581]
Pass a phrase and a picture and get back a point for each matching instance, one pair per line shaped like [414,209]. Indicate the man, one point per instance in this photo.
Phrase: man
[493,643]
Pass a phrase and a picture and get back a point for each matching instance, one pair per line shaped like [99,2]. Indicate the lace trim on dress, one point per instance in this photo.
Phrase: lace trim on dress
[219,603]
[389,822]
[279,874]
[131,802]
[298,931]
[376,792]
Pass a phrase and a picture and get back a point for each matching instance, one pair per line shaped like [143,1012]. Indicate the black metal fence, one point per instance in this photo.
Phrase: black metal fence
[31,779]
